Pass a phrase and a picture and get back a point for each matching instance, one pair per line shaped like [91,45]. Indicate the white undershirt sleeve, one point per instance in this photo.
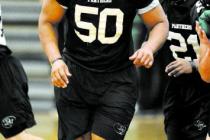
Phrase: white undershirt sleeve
[152,5]
[2,37]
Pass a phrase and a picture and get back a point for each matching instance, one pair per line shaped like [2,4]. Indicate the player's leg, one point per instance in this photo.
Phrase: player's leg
[24,136]
[117,106]
[15,109]
[172,104]
[186,109]
[197,110]
[86,136]
[96,137]
[74,114]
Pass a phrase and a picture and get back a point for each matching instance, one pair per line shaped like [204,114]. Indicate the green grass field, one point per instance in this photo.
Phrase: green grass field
[147,127]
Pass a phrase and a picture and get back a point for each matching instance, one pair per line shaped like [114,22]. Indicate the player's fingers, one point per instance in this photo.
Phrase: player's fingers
[66,69]
[172,67]
[55,83]
[172,63]
[149,65]
[174,71]
[59,79]
[63,76]
[138,61]
[144,58]
[180,72]
[133,56]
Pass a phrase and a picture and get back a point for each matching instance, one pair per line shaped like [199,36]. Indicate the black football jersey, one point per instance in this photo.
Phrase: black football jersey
[182,41]
[99,32]
[4,50]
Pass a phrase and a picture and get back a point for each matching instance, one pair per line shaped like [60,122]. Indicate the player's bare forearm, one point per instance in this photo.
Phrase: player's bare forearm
[158,35]
[49,41]
[157,23]
[47,32]
[48,38]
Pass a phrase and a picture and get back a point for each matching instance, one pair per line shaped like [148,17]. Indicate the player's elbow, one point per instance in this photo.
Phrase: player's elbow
[44,24]
[165,23]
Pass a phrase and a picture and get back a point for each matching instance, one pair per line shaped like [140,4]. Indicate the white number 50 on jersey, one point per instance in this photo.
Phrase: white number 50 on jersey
[191,40]
[79,10]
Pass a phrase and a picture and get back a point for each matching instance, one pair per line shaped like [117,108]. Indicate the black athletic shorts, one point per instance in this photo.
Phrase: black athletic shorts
[186,108]
[15,109]
[100,103]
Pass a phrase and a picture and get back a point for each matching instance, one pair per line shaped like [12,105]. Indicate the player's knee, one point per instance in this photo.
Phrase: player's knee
[96,137]
[86,136]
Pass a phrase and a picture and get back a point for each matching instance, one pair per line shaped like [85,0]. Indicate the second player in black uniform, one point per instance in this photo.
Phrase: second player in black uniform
[100,93]
[15,109]
[187,97]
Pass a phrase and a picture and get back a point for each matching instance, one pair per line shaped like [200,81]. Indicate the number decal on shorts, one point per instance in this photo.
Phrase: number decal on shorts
[191,40]
[99,34]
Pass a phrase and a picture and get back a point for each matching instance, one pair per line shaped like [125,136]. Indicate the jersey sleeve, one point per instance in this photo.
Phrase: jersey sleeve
[63,3]
[147,6]
[2,37]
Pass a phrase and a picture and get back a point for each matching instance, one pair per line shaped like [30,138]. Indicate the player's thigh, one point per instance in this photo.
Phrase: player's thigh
[96,137]
[24,136]
[117,107]
[74,114]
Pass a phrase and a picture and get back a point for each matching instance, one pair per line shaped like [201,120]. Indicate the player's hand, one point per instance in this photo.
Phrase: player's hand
[60,74]
[143,56]
[204,41]
[178,67]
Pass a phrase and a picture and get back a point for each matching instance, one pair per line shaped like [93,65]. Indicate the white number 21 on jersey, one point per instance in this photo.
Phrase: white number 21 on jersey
[191,40]
[101,33]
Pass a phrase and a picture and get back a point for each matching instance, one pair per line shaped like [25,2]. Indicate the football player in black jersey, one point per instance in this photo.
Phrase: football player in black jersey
[95,79]
[187,97]
[15,109]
